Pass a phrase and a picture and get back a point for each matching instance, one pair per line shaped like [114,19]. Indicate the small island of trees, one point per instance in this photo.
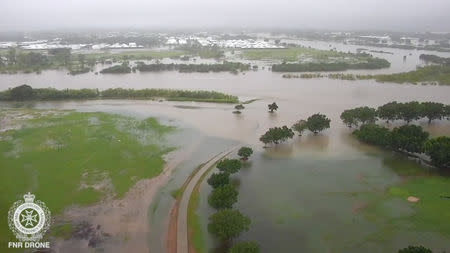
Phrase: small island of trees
[124,68]
[238,108]
[408,139]
[272,107]
[315,123]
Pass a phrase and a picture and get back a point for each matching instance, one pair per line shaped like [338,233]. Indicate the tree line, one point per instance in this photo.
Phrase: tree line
[370,63]
[432,74]
[26,92]
[233,67]
[435,59]
[407,112]
[228,223]
[409,139]
[123,68]
[27,61]
[437,73]
[315,123]
[20,60]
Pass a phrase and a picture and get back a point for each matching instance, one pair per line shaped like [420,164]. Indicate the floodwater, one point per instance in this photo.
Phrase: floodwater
[317,203]
[302,196]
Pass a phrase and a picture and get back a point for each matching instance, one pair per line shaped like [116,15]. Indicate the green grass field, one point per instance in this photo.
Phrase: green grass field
[69,158]
[391,207]
[138,54]
[432,213]
[289,54]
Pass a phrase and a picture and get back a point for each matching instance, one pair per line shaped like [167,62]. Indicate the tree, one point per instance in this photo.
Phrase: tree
[410,111]
[348,117]
[409,138]
[61,54]
[447,111]
[277,135]
[389,111]
[415,249]
[245,247]
[219,179]
[366,114]
[300,126]
[32,60]
[229,165]
[439,151]
[273,107]
[81,60]
[238,108]
[11,56]
[358,115]
[245,153]
[223,197]
[21,92]
[228,224]
[374,134]
[432,110]
[318,122]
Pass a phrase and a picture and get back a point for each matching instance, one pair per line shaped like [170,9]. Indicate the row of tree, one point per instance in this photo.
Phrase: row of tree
[409,139]
[435,59]
[203,68]
[123,68]
[315,123]
[26,92]
[369,63]
[227,223]
[27,61]
[396,111]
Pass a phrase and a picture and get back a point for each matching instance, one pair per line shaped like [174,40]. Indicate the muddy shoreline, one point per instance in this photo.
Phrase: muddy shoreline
[118,225]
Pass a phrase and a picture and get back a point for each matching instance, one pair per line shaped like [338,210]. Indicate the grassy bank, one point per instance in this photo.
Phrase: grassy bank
[194,224]
[195,227]
[366,63]
[289,54]
[233,67]
[429,74]
[68,158]
[27,93]
[434,74]
[124,68]
[430,213]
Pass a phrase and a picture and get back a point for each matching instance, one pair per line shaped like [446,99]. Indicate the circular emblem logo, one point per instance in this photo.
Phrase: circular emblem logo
[29,219]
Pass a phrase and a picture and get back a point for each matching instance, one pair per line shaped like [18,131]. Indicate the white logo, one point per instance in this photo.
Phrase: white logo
[29,219]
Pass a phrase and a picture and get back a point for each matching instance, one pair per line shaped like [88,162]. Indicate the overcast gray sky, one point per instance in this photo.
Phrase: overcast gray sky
[406,15]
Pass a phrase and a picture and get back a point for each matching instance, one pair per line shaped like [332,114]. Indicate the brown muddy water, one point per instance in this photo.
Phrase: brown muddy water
[302,196]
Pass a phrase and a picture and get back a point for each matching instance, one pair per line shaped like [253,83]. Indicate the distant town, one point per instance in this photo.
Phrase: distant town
[255,40]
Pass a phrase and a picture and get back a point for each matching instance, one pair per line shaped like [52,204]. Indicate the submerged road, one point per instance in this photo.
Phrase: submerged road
[182,227]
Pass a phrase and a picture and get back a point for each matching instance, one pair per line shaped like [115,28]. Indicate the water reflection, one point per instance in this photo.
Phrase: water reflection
[312,142]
